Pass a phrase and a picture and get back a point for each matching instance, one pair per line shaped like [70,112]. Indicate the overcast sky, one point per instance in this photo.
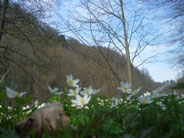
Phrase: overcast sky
[159,67]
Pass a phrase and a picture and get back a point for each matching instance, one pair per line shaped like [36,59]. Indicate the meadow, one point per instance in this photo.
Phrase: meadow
[150,115]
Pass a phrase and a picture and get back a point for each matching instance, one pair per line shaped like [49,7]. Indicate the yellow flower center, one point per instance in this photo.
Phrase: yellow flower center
[87,92]
[116,101]
[82,100]
[17,93]
[74,92]
[132,91]
[125,88]
[70,82]
[144,100]
[157,102]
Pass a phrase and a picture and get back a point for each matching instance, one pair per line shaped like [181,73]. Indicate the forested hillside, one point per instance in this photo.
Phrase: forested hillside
[71,69]
[39,55]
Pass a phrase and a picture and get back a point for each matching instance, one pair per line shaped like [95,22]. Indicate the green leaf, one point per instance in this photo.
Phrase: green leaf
[5,74]
[66,90]
[22,100]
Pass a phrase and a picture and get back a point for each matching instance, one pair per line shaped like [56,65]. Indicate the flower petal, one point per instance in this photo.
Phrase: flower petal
[78,97]
[21,94]
[96,91]
[69,77]
[119,88]
[49,88]
[76,81]
[87,101]
[74,101]
[58,93]
[70,94]
[55,89]
[10,93]
[85,97]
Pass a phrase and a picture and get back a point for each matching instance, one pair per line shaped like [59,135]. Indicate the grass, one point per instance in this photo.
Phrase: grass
[160,116]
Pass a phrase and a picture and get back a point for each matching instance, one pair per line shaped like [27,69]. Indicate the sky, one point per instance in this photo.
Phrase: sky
[159,67]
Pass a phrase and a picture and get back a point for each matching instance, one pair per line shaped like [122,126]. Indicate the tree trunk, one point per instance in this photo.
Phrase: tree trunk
[126,46]
[3,9]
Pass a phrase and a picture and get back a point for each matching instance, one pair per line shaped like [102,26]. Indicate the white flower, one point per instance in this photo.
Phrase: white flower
[145,99]
[115,102]
[87,91]
[86,107]
[134,92]
[95,91]
[26,107]
[159,89]
[161,105]
[147,93]
[52,90]
[12,93]
[101,103]
[71,82]
[10,108]
[74,92]
[182,96]
[79,107]
[73,105]
[128,98]
[36,102]
[121,100]
[98,99]
[42,105]
[125,87]
[156,92]
[81,101]
[55,90]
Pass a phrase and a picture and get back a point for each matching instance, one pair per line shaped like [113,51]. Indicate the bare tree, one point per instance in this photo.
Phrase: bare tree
[3,9]
[118,24]
[174,16]
[22,24]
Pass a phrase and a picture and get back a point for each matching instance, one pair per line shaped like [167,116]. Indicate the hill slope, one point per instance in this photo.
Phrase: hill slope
[42,57]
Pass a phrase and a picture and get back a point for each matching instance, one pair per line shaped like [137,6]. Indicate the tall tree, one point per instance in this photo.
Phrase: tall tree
[21,22]
[173,12]
[3,10]
[121,25]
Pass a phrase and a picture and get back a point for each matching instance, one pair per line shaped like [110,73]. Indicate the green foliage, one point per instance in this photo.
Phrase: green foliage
[40,57]
[7,133]
[102,118]
[130,119]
